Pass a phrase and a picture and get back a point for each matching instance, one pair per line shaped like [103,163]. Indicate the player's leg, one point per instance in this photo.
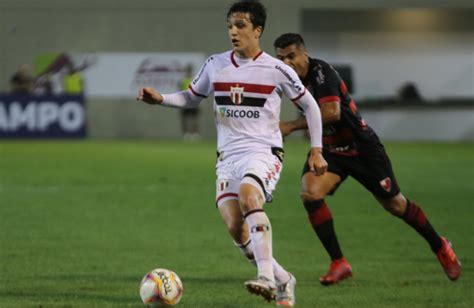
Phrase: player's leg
[231,205]
[414,216]
[251,203]
[375,172]
[244,244]
[238,229]
[227,202]
[313,191]
[261,172]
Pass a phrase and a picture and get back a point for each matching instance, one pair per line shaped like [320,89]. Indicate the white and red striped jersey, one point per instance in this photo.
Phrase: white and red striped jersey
[247,99]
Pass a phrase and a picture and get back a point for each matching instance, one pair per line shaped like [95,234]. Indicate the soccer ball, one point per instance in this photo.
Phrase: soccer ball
[161,287]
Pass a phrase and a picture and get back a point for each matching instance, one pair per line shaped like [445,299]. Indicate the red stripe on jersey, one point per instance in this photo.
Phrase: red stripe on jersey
[258,55]
[343,135]
[299,96]
[195,93]
[353,106]
[248,87]
[232,59]
[329,99]
[343,88]
[226,195]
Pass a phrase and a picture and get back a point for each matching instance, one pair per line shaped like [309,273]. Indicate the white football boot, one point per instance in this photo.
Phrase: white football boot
[262,286]
[285,293]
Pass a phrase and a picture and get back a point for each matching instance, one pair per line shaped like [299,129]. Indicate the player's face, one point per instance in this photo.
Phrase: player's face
[296,57]
[244,37]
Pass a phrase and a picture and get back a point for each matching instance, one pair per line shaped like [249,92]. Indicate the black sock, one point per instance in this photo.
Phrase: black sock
[415,217]
[321,219]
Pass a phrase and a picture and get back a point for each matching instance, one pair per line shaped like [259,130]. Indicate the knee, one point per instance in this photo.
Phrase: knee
[310,195]
[395,206]
[250,202]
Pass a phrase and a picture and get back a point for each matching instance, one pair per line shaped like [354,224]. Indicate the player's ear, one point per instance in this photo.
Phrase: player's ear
[258,31]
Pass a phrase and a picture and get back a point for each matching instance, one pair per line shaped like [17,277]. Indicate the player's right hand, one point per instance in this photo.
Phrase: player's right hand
[149,96]
[317,163]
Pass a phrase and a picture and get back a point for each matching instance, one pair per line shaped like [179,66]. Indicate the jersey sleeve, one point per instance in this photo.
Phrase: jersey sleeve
[202,83]
[289,82]
[329,87]
[294,89]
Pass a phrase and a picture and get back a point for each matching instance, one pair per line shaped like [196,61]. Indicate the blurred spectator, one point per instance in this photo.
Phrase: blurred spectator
[22,81]
[73,83]
[409,91]
[189,116]
[63,75]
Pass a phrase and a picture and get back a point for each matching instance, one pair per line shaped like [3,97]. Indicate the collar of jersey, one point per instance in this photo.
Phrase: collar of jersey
[232,58]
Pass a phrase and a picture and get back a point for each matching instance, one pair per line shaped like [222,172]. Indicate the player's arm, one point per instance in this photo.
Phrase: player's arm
[316,162]
[329,95]
[330,113]
[199,88]
[294,89]
[182,99]
[287,127]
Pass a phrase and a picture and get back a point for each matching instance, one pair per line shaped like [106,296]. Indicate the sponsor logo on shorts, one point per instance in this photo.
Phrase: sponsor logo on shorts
[386,184]
[222,185]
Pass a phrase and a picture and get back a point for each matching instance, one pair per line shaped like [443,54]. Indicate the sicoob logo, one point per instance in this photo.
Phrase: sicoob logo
[238,113]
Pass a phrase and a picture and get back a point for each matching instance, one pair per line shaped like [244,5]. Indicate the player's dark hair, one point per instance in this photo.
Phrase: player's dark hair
[256,10]
[288,39]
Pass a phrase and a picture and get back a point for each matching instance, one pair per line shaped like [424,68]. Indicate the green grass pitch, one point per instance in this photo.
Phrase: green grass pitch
[82,222]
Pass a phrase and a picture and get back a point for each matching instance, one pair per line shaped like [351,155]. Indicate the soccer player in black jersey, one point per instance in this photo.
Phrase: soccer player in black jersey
[351,148]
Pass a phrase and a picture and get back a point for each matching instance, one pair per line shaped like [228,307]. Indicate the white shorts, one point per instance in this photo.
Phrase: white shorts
[259,169]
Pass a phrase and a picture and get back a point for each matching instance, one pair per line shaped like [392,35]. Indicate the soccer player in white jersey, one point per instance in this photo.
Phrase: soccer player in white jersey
[247,85]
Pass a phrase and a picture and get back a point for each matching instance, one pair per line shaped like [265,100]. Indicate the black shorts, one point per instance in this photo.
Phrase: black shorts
[372,169]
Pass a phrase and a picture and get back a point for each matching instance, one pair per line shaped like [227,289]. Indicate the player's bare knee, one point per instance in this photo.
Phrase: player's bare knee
[250,202]
[394,206]
[311,195]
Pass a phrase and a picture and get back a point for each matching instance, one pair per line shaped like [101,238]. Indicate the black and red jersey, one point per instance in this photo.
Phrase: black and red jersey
[350,134]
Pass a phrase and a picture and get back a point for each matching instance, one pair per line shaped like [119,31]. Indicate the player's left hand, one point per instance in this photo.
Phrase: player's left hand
[149,96]
[317,163]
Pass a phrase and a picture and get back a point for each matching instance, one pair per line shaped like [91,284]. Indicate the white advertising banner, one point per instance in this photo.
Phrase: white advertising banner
[122,74]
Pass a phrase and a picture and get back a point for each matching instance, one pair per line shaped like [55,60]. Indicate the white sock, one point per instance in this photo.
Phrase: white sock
[261,236]
[281,275]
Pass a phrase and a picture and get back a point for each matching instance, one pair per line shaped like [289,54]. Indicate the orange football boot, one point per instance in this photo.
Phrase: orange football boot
[339,270]
[448,260]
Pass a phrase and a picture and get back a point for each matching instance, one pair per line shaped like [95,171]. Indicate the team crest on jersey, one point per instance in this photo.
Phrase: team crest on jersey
[237,94]
[386,184]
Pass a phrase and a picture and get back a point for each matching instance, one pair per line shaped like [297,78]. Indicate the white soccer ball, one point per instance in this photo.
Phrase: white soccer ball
[160,288]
